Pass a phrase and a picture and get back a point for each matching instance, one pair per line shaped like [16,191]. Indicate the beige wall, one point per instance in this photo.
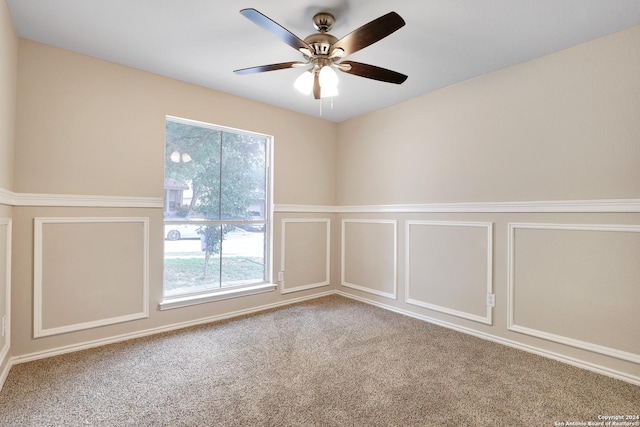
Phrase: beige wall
[562,127]
[8,76]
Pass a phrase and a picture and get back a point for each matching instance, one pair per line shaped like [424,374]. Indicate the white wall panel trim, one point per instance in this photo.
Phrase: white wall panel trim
[6,343]
[38,330]
[11,198]
[71,200]
[557,206]
[488,318]
[6,197]
[283,208]
[633,379]
[394,293]
[327,276]
[511,324]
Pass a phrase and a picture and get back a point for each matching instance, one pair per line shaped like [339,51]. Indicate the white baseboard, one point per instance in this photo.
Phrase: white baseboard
[509,343]
[147,332]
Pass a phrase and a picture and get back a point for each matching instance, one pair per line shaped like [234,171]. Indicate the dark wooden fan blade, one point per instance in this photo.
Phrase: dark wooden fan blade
[316,86]
[373,72]
[370,33]
[270,67]
[273,27]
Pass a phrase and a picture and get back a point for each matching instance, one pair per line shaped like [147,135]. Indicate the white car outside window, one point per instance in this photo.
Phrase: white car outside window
[181,231]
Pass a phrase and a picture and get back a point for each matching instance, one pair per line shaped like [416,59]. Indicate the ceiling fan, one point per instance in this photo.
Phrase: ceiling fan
[322,52]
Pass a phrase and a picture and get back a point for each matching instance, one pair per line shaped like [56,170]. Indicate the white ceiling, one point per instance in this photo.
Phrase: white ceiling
[202,41]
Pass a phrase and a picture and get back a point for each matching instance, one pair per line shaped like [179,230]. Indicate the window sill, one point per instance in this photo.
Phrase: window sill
[178,302]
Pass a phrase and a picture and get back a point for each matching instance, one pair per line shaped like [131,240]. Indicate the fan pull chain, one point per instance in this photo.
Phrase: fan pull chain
[330,104]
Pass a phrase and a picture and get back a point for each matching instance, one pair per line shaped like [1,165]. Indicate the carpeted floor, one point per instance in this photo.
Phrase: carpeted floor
[327,362]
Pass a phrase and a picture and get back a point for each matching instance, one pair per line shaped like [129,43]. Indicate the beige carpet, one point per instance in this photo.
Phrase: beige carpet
[327,362]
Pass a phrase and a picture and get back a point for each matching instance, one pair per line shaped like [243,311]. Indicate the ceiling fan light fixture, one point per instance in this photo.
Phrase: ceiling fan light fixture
[328,92]
[304,83]
[337,53]
[328,77]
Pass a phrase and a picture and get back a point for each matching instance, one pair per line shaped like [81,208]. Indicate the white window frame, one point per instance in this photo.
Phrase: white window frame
[171,302]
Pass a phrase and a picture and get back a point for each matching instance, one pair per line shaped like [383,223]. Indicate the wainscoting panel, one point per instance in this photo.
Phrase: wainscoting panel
[89,272]
[577,284]
[5,288]
[306,253]
[448,267]
[369,256]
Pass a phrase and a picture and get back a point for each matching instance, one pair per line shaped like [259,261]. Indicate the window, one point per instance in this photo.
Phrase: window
[216,217]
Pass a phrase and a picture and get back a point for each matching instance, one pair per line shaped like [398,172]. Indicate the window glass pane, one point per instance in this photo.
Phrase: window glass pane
[243,176]
[192,172]
[185,270]
[243,260]
[215,210]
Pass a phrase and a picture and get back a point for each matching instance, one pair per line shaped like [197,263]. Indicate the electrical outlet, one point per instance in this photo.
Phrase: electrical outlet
[491,300]
[280,276]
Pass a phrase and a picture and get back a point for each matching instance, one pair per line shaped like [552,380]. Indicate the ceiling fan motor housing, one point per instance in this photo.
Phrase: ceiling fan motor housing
[320,43]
